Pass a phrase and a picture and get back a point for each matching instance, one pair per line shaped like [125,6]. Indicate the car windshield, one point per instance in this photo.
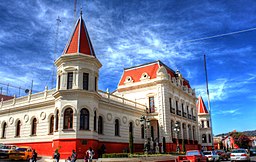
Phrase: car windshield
[192,153]
[238,151]
[207,152]
[21,149]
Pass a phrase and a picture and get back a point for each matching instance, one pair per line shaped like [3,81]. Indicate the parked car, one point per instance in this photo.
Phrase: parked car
[212,155]
[5,150]
[192,156]
[252,151]
[21,153]
[239,155]
[223,154]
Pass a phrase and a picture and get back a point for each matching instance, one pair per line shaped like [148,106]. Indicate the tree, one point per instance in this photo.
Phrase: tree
[240,139]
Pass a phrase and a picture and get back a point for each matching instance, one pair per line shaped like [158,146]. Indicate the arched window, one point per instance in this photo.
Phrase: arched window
[117,127]
[51,124]
[193,132]
[189,132]
[4,130]
[142,131]
[100,125]
[204,138]
[95,121]
[131,128]
[34,125]
[57,121]
[209,138]
[172,128]
[68,119]
[84,119]
[184,131]
[18,129]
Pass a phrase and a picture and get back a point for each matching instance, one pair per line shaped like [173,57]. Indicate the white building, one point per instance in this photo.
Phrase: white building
[76,115]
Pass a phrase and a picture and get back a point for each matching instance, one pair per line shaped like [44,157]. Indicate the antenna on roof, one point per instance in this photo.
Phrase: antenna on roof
[55,50]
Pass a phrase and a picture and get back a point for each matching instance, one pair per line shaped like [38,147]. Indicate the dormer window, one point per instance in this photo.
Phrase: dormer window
[144,76]
[128,79]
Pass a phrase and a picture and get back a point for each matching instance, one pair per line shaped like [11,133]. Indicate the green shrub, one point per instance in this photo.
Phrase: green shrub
[115,155]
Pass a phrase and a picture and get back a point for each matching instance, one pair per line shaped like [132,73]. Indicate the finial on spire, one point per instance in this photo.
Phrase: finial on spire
[81,11]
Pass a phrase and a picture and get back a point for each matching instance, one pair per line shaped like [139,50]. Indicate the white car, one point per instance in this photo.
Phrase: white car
[212,155]
[239,155]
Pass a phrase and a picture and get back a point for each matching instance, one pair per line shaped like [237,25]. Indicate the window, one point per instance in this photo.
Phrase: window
[18,129]
[151,105]
[152,132]
[95,83]
[84,119]
[68,119]
[209,138]
[170,102]
[51,124]
[85,81]
[58,81]
[177,107]
[184,131]
[208,124]
[70,80]
[202,123]
[182,107]
[100,125]
[117,127]
[189,132]
[95,121]
[34,125]
[193,132]
[187,110]
[57,121]
[4,130]
[142,132]
[130,129]
[172,128]
[204,138]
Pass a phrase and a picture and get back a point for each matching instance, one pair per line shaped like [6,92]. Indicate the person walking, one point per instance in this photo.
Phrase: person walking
[56,156]
[90,154]
[73,156]
[34,156]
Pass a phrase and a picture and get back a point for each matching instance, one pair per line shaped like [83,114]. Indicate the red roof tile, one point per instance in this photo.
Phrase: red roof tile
[150,68]
[80,41]
[201,106]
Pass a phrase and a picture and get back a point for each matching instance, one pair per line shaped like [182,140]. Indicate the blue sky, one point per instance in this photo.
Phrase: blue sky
[126,33]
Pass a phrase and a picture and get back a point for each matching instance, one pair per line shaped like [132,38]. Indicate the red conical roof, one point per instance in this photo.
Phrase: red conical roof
[79,41]
[201,106]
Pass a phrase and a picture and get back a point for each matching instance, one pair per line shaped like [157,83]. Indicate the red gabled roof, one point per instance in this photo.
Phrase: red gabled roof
[79,41]
[136,73]
[150,68]
[5,97]
[201,106]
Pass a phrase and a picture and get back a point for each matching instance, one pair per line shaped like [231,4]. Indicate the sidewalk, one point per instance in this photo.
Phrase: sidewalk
[167,158]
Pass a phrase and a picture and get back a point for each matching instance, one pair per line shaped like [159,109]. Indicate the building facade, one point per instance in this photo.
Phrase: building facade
[76,115]
[205,126]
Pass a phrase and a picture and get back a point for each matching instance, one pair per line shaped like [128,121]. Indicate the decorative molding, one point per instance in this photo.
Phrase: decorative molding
[109,117]
[26,117]
[124,119]
[42,115]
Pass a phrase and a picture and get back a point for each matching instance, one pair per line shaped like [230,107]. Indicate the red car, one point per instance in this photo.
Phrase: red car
[192,156]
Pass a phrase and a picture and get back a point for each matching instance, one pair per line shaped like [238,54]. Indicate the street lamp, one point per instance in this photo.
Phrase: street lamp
[146,123]
[177,129]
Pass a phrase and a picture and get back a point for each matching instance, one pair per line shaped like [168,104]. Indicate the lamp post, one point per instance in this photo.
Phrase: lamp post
[146,123]
[177,129]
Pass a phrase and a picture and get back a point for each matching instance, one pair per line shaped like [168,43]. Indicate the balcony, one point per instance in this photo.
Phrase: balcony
[184,114]
[179,112]
[194,118]
[173,110]
[189,116]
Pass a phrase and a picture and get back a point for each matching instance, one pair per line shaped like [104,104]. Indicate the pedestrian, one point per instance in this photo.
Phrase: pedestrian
[69,159]
[56,155]
[90,154]
[73,156]
[34,156]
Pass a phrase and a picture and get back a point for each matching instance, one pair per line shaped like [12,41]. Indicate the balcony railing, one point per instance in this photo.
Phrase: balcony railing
[194,118]
[179,112]
[189,116]
[173,110]
[184,114]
